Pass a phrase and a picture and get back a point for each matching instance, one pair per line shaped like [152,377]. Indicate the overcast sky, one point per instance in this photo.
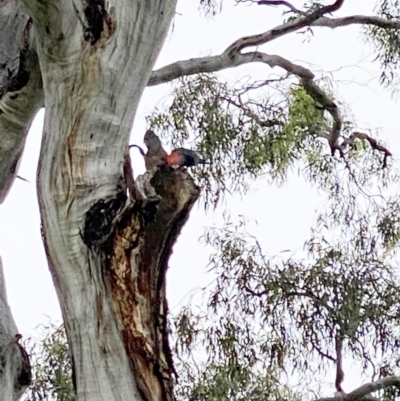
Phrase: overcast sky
[284,215]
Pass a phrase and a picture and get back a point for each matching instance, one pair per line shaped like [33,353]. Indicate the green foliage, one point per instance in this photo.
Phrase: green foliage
[257,130]
[304,116]
[244,136]
[265,317]
[240,136]
[386,42]
[52,369]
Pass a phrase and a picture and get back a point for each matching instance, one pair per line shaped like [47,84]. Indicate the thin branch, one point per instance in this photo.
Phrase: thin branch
[279,3]
[308,294]
[255,293]
[142,152]
[248,112]
[324,354]
[229,59]
[373,142]
[290,26]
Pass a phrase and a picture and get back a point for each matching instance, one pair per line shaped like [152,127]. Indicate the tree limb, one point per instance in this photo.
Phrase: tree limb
[290,26]
[226,60]
[221,62]
[363,392]
[229,60]
[232,57]
[357,20]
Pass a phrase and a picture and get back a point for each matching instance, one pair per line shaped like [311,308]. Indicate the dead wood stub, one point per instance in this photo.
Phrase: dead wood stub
[24,378]
[100,220]
[136,269]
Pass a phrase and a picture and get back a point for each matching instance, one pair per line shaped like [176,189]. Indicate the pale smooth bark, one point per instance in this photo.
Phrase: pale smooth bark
[20,89]
[112,293]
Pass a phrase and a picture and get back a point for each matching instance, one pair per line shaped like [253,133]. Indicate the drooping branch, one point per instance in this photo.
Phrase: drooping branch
[373,142]
[225,60]
[279,3]
[233,57]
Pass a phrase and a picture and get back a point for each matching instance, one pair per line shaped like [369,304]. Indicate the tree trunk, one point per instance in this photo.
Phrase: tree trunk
[15,369]
[21,93]
[107,244]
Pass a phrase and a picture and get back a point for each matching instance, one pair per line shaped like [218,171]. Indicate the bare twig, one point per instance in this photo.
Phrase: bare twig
[290,26]
[248,112]
[22,178]
[279,3]
[255,293]
[324,354]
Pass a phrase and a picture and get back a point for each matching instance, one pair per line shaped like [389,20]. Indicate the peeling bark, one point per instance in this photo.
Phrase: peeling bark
[138,261]
[15,368]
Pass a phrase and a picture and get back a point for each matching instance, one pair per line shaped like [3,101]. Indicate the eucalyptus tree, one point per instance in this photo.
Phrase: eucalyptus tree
[108,237]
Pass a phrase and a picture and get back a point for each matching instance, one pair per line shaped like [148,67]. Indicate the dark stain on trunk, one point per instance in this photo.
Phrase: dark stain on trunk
[17,80]
[99,221]
[97,18]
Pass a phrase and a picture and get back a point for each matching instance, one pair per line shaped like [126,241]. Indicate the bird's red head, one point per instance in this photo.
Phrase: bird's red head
[173,159]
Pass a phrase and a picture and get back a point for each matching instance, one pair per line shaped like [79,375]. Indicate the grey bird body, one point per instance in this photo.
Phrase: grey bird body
[156,154]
